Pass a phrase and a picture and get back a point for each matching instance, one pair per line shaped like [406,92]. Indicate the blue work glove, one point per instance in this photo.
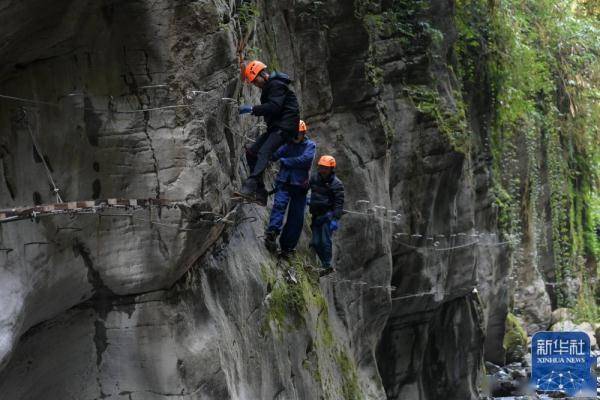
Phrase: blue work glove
[334,225]
[245,109]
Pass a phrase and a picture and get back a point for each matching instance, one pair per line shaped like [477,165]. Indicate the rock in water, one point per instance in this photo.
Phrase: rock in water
[560,314]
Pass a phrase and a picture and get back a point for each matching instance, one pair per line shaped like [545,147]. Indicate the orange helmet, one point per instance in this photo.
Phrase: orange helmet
[302,127]
[327,161]
[253,69]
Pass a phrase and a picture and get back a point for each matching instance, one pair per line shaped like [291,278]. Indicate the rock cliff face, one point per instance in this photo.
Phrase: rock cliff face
[169,303]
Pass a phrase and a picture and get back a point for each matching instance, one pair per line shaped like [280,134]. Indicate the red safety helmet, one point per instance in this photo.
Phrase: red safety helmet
[253,69]
[327,161]
[302,127]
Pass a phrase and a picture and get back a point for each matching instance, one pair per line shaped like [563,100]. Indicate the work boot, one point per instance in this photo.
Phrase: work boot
[261,196]
[249,187]
[325,271]
[286,254]
[271,241]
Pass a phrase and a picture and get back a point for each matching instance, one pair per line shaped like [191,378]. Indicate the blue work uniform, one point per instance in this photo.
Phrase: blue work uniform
[291,185]
[326,204]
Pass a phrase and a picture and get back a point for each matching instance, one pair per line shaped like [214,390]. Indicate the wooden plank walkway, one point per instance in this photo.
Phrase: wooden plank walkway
[80,207]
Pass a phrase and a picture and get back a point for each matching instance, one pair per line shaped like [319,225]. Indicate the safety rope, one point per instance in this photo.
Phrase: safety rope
[97,110]
[388,288]
[376,211]
[138,204]
[438,248]
[96,206]
[331,278]
[242,135]
[190,95]
[55,189]
[30,101]
[153,86]
[147,109]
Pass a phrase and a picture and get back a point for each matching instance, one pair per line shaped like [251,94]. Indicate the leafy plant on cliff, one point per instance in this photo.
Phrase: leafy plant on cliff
[286,302]
[408,23]
[541,58]
[291,305]
[451,121]
[515,339]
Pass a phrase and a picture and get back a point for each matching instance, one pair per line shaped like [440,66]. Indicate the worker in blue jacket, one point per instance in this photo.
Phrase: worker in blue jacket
[326,207]
[291,185]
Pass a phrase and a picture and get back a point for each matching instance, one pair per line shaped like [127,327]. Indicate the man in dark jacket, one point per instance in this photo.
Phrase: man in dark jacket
[326,208]
[279,107]
[291,186]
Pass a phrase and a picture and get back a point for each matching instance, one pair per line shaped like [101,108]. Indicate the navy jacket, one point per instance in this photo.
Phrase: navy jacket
[326,195]
[279,105]
[296,160]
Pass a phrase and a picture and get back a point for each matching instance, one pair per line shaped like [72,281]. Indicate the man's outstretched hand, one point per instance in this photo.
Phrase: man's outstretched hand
[245,109]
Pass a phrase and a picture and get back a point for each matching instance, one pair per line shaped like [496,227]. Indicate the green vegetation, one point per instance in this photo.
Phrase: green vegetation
[586,309]
[452,123]
[247,13]
[350,389]
[406,22]
[528,75]
[315,10]
[542,61]
[292,305]
[286,301]
[400,19]
[292,300]
[515,339]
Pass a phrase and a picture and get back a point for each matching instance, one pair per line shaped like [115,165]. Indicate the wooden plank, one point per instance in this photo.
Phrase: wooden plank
[75,207]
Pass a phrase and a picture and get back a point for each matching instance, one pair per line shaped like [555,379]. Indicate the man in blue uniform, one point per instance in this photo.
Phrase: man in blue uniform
[291,185]
[326,208]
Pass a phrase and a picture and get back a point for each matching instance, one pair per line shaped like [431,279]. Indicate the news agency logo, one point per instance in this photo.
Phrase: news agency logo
[561,362]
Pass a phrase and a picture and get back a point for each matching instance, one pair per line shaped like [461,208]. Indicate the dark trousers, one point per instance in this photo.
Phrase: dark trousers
[290,198]
[259,154]
[321,242]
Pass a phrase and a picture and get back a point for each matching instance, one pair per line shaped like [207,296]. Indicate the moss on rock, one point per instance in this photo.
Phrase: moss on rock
[515,339]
